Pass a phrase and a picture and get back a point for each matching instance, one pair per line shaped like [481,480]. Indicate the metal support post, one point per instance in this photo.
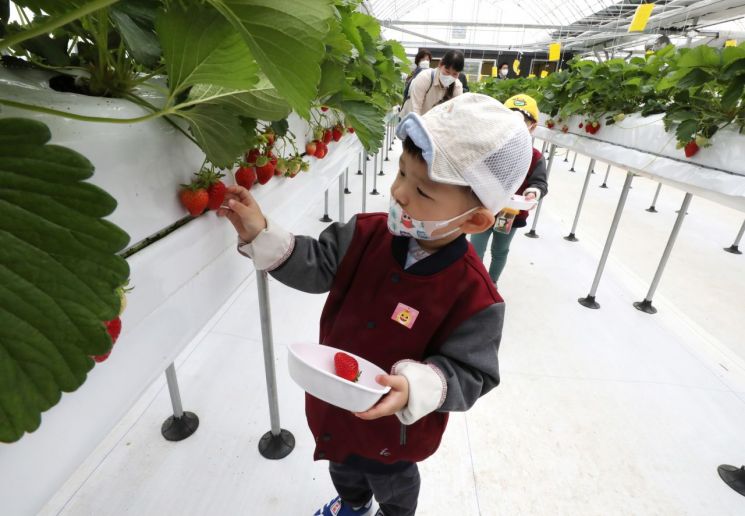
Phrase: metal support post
[545,146]
[359,165]
[570,237]
[735,247]
[364,184]
[646,305]
[573,162]
[652,208]
[325,217]
[386,146]
[375,176]
[605,179]
[346,182]
[341,198]
[532,233]
[277,443]
[181,424]
[589,301]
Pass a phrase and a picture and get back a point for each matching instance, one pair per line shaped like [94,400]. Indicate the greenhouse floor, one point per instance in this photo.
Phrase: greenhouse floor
[608,411]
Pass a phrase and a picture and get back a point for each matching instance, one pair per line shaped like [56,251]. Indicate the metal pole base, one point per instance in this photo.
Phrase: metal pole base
[593,171]
[571,238]
[733,477]
[359,172]
[603,186]
[347,191]
[276,447]
[645,306]
[381,173]
[386,158]
[651,209]
[571,169]
[179,428]
[532,234]
[375,192]
[325,218]
[589,302]
[733,249]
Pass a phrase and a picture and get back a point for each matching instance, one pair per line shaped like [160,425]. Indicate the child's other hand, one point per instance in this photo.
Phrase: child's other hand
[395,400]
[243,212]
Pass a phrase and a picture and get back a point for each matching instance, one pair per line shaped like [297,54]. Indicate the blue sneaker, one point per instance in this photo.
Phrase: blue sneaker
[337,508]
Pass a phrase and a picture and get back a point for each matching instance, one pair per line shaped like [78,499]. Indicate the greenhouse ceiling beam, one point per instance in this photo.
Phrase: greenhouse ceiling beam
[486,47]
[538,26]
[423,36]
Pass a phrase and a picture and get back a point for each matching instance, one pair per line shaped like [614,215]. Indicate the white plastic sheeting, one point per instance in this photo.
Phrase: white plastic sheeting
[644,147]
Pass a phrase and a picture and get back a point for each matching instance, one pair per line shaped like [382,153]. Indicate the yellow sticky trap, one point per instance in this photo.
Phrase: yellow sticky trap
[730,43]
[554,51]
[641,17]
[494,71]
[516,66]
[531,76]
[544,73]
[650,52]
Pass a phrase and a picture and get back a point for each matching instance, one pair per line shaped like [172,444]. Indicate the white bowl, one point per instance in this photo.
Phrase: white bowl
[312,368]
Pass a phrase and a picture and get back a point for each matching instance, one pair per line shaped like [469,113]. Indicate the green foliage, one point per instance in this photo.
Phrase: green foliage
[58,273]
[700,90]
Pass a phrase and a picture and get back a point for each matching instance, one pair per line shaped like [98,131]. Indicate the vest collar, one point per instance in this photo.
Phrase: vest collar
[435,262]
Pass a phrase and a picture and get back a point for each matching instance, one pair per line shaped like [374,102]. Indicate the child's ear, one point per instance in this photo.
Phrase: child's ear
[478,222]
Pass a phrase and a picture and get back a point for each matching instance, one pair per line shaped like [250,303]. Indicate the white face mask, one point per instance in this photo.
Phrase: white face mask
[503,72]
[423,64]
[401,223]
[446,80]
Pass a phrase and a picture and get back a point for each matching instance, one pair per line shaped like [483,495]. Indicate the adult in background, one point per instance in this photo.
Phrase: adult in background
[421,62]
[504,72]
[439,85]
[464,81]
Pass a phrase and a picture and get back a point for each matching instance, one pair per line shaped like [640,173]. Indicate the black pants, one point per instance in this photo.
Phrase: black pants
[397,493]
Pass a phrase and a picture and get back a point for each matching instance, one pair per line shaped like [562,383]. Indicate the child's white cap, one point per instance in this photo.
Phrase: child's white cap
[473,140]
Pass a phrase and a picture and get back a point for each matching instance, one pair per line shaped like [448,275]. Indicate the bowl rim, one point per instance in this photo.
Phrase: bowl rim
[384,389]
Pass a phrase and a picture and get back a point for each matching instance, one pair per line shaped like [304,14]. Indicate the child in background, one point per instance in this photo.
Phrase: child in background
[534,187]
[461,163]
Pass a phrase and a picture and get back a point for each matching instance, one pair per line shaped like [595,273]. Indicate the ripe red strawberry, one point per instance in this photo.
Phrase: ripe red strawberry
[337,133]
[194,198]
[264,170]
[324,108]
[114,328]
[252,156]
[272,158]
[327,135]
[310,148]
[581,125]
[691,148]
[321,150]
[550,123]
[347,367]
[245,177]
[565,128]
[216,193]
[350,130]
[270,138]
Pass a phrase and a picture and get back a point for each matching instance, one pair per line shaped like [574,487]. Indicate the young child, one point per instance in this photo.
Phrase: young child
[535,186]
[461,162]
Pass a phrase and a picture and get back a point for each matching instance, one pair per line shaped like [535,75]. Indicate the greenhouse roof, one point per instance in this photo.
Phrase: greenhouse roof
[582,26]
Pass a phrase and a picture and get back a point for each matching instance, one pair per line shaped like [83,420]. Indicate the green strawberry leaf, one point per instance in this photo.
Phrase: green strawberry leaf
[286,39]
[58,273]
[686,130]
[219,131]
[200,47]
[367,120]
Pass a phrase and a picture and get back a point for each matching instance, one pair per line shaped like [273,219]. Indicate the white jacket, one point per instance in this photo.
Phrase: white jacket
[426,91]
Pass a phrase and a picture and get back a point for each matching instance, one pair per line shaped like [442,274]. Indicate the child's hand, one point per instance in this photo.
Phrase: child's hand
[395,400]
[243,211]
[530,196]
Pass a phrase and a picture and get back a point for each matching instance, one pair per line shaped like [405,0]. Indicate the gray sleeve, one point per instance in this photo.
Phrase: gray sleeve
[539,178]
[468,359]
[313,263]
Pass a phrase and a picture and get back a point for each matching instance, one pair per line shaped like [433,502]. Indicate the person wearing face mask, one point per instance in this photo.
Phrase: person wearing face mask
[421,62]
[504,71]
[440,85]
[534,187]
[460,164]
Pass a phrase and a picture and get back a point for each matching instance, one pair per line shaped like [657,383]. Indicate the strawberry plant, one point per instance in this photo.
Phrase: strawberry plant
[59,270]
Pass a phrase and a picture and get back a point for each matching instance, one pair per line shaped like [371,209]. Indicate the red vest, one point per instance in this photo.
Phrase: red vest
[369,284]
[523,215]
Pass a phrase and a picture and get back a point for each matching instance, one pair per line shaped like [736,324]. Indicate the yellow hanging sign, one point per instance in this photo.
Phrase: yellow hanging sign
[554,51]
[730,43]
[516,66]
[641,17]
[494,71]
[544,73]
